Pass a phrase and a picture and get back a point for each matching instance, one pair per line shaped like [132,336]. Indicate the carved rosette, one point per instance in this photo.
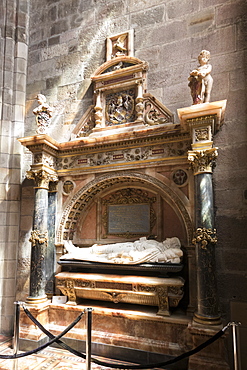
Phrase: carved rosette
[39,237]
[202,160]
[41,178]
[204,236]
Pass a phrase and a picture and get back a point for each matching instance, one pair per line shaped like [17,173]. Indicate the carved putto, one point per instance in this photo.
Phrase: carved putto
[200,79]
[43,114]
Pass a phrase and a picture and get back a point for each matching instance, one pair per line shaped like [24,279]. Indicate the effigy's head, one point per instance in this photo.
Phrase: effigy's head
[204,56]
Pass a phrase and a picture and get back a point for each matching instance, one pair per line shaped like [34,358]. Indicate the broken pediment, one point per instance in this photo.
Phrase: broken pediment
[121,102]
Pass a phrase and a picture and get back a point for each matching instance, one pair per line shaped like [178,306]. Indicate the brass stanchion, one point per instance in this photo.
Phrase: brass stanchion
[16,334]
[89,337]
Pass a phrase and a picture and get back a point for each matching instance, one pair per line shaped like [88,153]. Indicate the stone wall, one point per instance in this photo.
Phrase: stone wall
[67,43]
[13,63]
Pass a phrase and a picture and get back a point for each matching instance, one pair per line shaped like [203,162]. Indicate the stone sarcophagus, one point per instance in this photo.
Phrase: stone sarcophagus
[142,290]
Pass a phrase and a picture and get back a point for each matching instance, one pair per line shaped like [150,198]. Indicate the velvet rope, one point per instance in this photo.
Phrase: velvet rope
[129,367]
[51,336]
[24,354]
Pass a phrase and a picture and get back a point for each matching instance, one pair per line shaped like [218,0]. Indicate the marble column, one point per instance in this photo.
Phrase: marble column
[205,237]
[39,237]
[50,251]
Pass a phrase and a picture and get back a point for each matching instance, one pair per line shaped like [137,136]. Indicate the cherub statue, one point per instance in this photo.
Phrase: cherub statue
[200,79]
[43,114]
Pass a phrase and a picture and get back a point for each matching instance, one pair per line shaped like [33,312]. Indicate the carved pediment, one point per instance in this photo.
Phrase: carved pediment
[85,125]
[122,105]
[155,113]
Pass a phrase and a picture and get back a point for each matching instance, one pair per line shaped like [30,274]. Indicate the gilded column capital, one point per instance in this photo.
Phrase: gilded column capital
[204,236]
[42,178]
[202,160]
[40,237]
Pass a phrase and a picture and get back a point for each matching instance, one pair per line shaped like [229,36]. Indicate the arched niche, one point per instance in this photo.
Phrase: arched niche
[86,209]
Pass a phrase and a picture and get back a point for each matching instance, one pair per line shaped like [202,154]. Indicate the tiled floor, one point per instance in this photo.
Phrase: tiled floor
[50,358]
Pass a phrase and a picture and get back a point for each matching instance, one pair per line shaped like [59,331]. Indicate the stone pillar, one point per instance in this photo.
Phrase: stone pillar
[203,121]
[205,238]
[50,251]
[39,237]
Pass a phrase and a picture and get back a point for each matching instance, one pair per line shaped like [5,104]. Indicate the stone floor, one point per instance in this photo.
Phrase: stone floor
[50,358]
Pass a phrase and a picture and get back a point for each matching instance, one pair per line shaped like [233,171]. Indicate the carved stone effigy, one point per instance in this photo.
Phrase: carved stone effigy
[143,290]
[140,251]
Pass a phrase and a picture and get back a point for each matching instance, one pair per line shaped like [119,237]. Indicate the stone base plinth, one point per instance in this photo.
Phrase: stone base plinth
[129,333]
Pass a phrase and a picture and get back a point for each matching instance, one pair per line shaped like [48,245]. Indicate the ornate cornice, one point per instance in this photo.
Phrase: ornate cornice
[41,178]
[202,160]
[204,236]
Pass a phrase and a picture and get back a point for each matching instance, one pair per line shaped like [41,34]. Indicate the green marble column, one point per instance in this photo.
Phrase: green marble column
[50,251]
[39,237]
[205,240]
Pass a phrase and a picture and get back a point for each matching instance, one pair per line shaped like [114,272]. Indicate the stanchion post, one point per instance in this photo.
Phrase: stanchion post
[234,343]
[89,337]
[16,333]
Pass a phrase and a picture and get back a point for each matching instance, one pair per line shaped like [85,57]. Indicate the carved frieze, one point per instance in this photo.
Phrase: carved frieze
[45,158]
[125,155]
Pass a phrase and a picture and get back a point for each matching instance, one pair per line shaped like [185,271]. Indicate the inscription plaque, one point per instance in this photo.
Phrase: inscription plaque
[129,218]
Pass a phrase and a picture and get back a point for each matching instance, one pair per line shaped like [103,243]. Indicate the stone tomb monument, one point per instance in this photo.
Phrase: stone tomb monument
[129,171]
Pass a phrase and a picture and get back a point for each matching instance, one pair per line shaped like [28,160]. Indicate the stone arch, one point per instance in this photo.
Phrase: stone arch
[131,61]
[82,199]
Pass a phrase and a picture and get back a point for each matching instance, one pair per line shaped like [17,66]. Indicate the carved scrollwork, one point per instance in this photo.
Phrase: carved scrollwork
[204,236]
[115,297]
[153,116]
[202,160]
[39,237]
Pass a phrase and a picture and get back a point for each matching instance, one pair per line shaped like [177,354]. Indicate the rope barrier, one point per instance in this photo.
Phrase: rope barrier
[55,339]
[117,366]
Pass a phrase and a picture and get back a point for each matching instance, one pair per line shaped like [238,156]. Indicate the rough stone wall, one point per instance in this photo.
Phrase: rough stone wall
[13,63]
[67,43]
